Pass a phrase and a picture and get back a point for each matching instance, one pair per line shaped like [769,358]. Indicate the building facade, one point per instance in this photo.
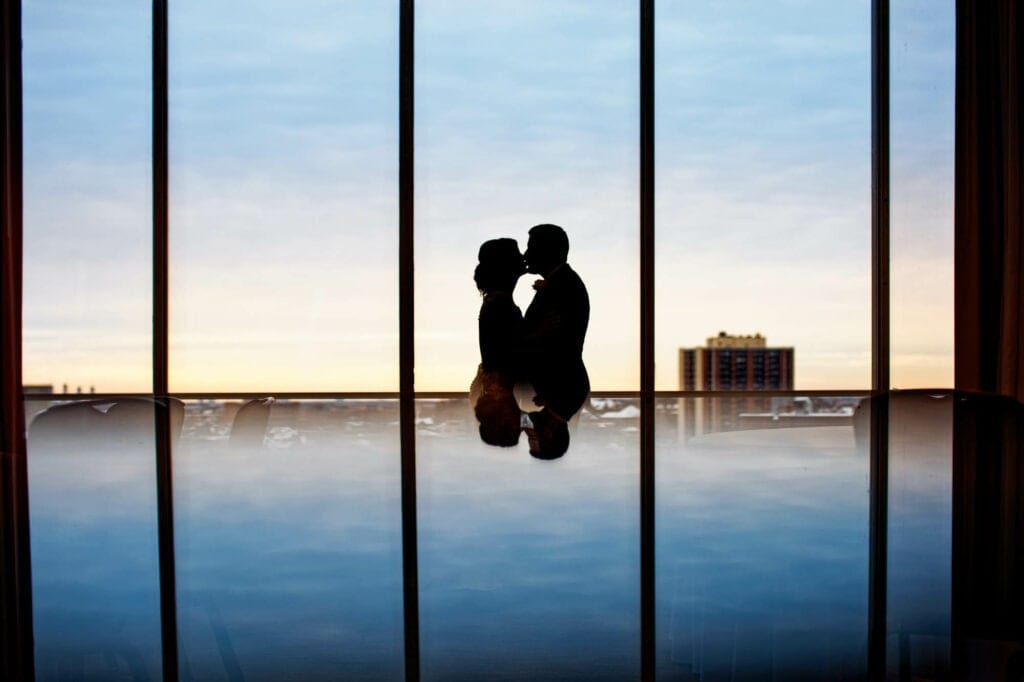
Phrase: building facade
[730,363]
[736,363]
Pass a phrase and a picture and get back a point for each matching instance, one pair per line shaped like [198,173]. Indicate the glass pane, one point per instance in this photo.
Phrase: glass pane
[284,169]
[920,536]
[87,183]
[923,39]
[288,532]
[529,569]
[95,560]
[763,182]
[761,538]
[526,113]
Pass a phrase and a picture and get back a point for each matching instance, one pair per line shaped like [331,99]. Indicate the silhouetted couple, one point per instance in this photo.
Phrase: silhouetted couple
[542,350]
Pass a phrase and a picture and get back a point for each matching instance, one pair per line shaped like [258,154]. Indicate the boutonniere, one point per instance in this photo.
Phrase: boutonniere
[539,284]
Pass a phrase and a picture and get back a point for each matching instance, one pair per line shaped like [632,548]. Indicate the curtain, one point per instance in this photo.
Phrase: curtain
[989,249]
[15,567]
[988,426]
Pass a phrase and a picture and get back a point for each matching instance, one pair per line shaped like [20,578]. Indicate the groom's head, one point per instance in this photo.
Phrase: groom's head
[548,435]
[547,248]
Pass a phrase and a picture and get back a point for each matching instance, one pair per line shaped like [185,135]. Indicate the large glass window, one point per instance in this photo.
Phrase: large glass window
[923,52]
[526,113]
[283,254]
[284,208]
[87,206]
[763,182]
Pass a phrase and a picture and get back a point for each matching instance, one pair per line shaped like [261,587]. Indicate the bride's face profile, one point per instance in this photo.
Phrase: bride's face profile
[500,265]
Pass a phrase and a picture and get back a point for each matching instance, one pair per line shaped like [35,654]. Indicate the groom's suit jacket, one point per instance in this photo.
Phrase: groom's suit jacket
[554,329]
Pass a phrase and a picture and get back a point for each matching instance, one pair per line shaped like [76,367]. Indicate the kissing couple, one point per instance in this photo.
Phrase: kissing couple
[537,356]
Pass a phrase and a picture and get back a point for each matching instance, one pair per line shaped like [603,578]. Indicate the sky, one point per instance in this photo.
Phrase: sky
[284,202]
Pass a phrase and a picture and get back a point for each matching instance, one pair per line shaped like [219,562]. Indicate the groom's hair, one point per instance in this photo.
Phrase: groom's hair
[551,435]
[552,239]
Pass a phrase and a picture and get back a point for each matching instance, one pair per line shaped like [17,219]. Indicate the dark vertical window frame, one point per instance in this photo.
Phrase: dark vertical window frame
[880,195]
[161,411]
[407,340]
[966,295]
[160,207]
[647,600]
[16,635]
[879,431]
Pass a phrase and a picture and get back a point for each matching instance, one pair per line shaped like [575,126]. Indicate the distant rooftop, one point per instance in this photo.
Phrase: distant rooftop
[724,340]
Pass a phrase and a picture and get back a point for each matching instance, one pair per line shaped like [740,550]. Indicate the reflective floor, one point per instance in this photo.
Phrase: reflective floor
[289,557]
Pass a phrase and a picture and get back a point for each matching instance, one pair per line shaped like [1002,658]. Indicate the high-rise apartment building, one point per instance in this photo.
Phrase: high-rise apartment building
[735,363]
[729,363]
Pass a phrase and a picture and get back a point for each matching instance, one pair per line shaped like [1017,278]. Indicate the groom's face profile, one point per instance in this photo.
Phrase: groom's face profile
[537,257]
[546,249]
[530,256]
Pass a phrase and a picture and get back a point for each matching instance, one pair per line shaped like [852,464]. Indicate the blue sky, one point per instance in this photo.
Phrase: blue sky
[283,144]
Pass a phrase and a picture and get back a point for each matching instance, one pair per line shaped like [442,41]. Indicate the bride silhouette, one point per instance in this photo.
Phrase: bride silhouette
[501,334]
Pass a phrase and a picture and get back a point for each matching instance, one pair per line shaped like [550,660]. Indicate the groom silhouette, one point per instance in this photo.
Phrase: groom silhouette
[554,328]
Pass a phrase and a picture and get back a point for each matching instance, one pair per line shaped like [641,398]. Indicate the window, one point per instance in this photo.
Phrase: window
[315,493]
[87,207]
[284,216]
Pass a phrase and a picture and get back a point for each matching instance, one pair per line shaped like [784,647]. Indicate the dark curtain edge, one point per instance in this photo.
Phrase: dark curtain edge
[989,253]
[16,647]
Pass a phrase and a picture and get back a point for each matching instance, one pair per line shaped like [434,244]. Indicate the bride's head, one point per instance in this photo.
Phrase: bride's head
[500,266]
[498,413]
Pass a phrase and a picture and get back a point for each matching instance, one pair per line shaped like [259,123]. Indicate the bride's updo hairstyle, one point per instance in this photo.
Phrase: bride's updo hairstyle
[500,265]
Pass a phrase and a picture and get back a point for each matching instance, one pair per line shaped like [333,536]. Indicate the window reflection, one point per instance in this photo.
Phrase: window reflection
[529,569]
[761,538]
[920,535]
[95,574]
[288,534]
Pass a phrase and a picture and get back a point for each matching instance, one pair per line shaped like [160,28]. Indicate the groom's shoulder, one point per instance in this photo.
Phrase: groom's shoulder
[573,277]
[565,281]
